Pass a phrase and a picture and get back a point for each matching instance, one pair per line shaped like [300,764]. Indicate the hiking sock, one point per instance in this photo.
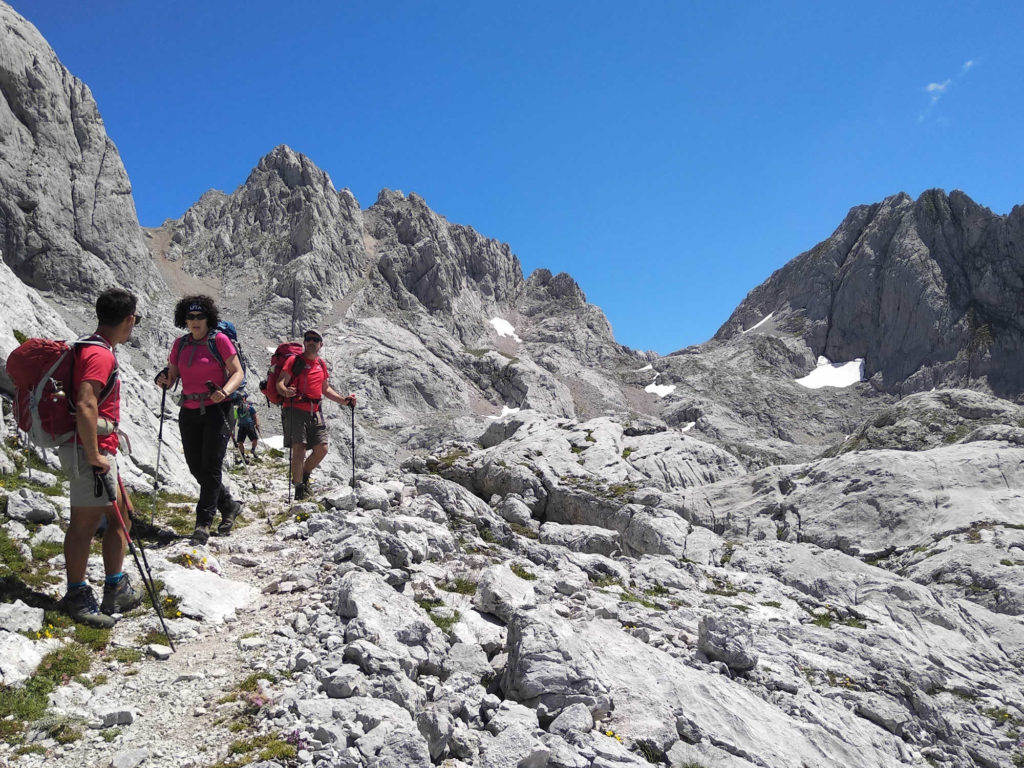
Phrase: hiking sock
[114,579]
[77,585]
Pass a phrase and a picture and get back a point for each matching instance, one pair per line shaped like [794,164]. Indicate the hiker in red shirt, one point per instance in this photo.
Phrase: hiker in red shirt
[303,384]
[97,398]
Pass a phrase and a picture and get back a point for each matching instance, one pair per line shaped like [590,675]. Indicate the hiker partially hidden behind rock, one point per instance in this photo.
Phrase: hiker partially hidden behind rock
[303,384]
[97,398]
[248,425]
[206,363]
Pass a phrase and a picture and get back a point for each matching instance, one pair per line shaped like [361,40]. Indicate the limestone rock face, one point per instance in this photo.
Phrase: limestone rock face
[928,292]
[67,218]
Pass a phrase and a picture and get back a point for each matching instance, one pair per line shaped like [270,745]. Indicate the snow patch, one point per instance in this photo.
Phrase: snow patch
[647,367]
[661,390]
[764,320]
[504,328]
[829,374]
[505,411]
[688,426]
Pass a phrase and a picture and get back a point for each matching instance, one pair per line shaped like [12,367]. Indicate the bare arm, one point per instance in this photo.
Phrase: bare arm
[87,411]
[282,385]
[235,376]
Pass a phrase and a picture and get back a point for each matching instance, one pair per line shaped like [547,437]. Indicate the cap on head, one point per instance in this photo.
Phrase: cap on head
[195,306]
[312,332]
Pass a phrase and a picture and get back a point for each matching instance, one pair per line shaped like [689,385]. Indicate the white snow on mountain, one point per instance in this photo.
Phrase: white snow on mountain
[504,328]
[761,322]
[829,374]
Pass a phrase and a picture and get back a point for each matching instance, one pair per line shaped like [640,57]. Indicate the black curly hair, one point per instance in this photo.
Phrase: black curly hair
[205,304]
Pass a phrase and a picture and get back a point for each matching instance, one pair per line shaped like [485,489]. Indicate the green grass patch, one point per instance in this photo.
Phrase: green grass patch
[63,730]
[445,623]
[28,702]
[251,683]
[656,591]
[522,573]
[604,581]
[460,585]
[524,531]
[427,603]
[30,749]
[110,734]
[152,637]
[47,549]
[771,603]
[19,337]
[630,597]
[627,452]
[825,620]
[93,638]
[125,655]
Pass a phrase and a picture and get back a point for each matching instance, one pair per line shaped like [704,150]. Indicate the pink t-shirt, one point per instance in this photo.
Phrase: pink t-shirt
[197,365]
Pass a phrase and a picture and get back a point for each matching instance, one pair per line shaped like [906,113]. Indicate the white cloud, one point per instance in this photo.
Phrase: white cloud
[938,89]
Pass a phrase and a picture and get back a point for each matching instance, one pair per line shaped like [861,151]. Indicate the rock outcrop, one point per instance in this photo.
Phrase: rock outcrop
[67,218]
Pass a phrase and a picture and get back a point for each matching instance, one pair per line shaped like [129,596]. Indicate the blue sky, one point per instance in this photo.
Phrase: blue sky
[668,155]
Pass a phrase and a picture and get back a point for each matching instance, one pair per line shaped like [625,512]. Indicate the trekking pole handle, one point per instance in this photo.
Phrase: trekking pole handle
[213,388]
[108,483]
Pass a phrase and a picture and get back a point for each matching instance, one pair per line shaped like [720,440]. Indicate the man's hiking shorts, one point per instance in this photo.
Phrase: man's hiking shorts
[247,433]
[86,488]
[301,426]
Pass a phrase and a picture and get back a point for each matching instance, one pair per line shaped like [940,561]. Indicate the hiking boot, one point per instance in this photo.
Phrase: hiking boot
[121,597]
[200,536]
[305,478]
[301,491]
[227,517]
[80,604]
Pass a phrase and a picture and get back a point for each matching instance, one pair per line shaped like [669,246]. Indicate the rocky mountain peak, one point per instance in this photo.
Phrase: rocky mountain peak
[926,291]
[292,168]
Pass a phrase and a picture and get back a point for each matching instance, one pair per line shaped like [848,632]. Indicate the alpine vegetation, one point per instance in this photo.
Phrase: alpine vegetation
[485,533]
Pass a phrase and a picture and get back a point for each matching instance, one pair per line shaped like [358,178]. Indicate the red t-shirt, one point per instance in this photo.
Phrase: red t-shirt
[197,365]
[96,363]
[310,381]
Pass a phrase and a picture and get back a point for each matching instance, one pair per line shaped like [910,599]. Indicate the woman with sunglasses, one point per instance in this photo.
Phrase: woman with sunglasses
[199,358]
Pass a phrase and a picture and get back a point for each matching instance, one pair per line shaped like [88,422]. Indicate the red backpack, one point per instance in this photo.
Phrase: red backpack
[43,373]
[278,360]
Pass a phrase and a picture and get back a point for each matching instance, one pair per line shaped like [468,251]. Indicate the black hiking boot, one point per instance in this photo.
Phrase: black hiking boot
[121,597]
[200,536]
[227,517]
[301,491]
[80,604]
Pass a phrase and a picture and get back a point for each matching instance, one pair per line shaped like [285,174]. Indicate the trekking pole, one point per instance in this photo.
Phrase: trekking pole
[108,485]
[291,454]
[159,445]
[231,434]
[353,409]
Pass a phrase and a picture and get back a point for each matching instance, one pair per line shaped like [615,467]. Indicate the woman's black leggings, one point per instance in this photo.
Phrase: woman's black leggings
[204,439]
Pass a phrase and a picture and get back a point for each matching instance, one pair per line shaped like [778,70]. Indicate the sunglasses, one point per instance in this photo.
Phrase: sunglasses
[195,316]
[315,339]
[138,320]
